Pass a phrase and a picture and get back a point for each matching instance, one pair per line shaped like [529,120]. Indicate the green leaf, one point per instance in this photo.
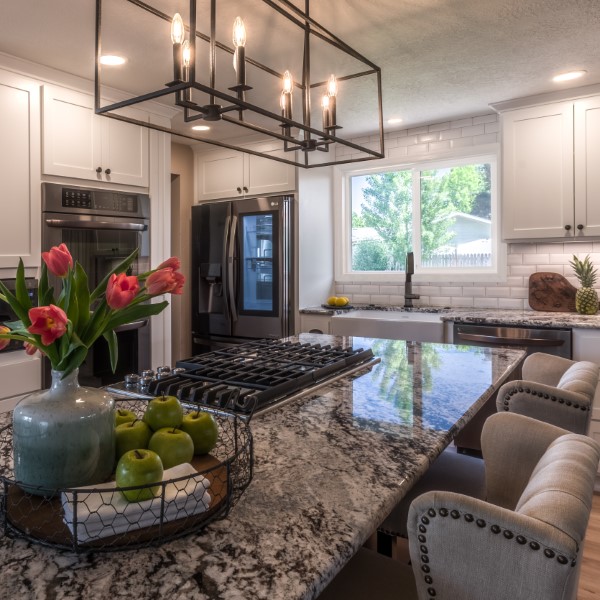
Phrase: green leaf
[45,293]
[18,309]
[134,313]
[73,360]
[82,293]
[20,287]
[121,267]
[113,348]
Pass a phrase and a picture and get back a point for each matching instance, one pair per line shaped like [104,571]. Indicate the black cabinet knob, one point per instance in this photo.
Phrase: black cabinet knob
[245,190]
[239,190]
[567,227]
[107,171]
[99,170]
[580,226]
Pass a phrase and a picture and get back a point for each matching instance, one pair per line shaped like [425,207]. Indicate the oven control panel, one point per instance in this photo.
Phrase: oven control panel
[99,200]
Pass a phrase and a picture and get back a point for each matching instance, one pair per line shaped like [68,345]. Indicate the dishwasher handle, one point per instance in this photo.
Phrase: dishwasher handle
[510,341]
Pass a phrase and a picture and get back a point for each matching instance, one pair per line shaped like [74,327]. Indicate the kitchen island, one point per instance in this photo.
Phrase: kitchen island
[328,468]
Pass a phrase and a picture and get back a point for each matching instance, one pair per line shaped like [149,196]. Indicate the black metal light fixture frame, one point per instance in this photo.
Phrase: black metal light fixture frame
[236,106]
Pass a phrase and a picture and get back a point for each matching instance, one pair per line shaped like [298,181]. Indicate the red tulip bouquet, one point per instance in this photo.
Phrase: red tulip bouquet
[64,328]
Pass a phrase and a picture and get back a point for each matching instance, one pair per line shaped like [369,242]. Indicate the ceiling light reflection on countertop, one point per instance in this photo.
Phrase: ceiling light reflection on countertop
[568,76]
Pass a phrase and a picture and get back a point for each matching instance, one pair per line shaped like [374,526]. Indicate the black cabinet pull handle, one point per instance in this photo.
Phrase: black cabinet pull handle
[580,226]
[567,227]
[99,170]
[107,171]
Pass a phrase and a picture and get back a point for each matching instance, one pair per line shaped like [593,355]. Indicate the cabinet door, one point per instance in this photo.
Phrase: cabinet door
[587,172]
[72,136]
[537,191]
[219,175]
[78,143]
[125,150]
[315,323]
[19,171]
[266,176]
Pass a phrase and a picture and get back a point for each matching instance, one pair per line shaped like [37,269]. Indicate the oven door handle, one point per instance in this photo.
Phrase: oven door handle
[95,225]
[131,326]
[492,339]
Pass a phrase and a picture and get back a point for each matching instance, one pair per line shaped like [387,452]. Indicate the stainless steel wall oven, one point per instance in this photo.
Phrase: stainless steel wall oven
[101,228]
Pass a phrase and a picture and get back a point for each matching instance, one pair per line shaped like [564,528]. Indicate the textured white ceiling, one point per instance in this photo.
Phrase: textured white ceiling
[440,59]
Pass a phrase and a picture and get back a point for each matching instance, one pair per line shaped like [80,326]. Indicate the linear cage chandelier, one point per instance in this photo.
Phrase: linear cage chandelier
[206,62]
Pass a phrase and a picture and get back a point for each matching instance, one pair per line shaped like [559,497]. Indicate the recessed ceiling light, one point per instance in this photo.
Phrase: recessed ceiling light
[568,76]
[201,128]
[394,121]
[112,60]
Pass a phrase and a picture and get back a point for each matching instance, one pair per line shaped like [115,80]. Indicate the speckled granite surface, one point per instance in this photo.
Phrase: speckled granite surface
[529,318]
[328,469]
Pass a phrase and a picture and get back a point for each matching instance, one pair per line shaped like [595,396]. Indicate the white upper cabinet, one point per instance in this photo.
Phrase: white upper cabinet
[231,174]
[19,170]
[78,143]
[549,182]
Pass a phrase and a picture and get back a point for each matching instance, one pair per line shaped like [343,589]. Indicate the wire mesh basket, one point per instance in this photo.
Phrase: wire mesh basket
[98,518]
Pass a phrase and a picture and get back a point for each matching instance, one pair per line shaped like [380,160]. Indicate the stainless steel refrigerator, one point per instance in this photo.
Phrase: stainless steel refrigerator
[242,271]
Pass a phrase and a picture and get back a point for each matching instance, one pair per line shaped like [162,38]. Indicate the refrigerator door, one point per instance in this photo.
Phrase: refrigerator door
[259,273]
[211,314]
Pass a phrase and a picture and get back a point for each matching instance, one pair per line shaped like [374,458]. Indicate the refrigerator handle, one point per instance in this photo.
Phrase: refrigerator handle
[230,269]
[225,267]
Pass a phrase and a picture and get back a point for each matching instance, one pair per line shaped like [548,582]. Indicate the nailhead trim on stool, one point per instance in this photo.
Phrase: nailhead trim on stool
[508,395]
[481,524]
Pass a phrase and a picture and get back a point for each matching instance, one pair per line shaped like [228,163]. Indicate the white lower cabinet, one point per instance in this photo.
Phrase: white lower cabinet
[20,374]
[19,170]
[315,323]
[586,346]
[78,143]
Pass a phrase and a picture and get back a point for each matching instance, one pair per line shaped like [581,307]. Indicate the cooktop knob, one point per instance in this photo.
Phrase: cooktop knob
[148,373]
[132,379]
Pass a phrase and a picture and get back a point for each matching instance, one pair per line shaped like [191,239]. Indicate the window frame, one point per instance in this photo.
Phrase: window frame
[343,219]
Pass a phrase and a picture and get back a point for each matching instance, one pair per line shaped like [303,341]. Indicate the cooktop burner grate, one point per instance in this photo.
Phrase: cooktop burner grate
[249,377]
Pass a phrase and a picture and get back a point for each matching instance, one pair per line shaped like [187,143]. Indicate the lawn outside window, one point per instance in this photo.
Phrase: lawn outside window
[445,211]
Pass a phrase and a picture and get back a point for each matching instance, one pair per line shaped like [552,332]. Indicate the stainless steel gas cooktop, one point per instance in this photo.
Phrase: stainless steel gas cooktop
[248,378]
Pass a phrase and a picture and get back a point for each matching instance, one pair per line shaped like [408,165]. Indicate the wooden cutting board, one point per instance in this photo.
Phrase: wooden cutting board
[551,292]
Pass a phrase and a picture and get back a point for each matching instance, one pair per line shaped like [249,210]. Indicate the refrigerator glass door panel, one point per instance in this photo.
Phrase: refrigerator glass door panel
[210,228]
[258,267]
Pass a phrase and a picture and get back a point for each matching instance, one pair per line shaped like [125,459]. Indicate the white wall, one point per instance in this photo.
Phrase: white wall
[315,243]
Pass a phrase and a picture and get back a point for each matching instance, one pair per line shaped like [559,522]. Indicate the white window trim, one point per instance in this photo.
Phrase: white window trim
[342,219]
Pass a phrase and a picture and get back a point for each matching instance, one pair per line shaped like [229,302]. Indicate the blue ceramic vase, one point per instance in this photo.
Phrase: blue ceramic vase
[63,437]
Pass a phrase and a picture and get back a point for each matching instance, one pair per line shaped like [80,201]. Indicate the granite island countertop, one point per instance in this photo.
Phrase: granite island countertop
[328,468]
[484,316]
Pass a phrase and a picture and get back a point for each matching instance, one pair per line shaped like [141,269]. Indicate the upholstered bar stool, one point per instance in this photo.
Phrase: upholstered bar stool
[553,389]
[524,543]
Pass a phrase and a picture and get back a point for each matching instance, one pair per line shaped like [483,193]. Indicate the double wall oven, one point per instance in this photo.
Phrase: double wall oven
[101,228]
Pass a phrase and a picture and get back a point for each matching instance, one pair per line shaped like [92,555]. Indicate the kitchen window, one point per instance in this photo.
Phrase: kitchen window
[446,212]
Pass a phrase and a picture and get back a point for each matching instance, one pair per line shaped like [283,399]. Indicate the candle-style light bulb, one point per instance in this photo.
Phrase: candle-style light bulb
[239,56]
[177,29]
[286,95]
[332,90]
[239,33]
[325,106]
[177,35]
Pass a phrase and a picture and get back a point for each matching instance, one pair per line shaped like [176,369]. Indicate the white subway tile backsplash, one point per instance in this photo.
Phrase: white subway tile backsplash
[491,118]
[492,127]
[382,299]
[361,298]
[409,140]
[351,288]
[440,146]
[369,289]
[523,270]
[461,301]
[395,134]
[522,248]
[517,292]
[461,123]
[389,289]
[498,292]
[450,291]
[439,301]
[417,130]
[417,149]
[580,248]
[428,137]
[396,300]
[399,152]
[439,126]
[549,248]
[450,134]
[462,142]
[473,130]
[554,269]
[476,291]
[514,281]
[485,303]
[487,138]
[514,259]
[536,259]
[511,303]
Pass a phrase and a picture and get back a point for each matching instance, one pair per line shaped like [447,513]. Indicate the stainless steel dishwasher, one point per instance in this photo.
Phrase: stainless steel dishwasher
[553,340]
[533,339]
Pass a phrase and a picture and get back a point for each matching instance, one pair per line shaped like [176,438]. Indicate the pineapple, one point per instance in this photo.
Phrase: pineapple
[586,300]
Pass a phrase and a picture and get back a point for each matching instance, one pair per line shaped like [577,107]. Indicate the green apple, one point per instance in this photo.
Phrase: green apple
[124,415]
[203,429]
[139,467]
[173,445]
[132,435]
[164,411]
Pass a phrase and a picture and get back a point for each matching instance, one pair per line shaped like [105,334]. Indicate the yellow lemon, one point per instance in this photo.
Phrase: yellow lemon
[341,301]
[332,300]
